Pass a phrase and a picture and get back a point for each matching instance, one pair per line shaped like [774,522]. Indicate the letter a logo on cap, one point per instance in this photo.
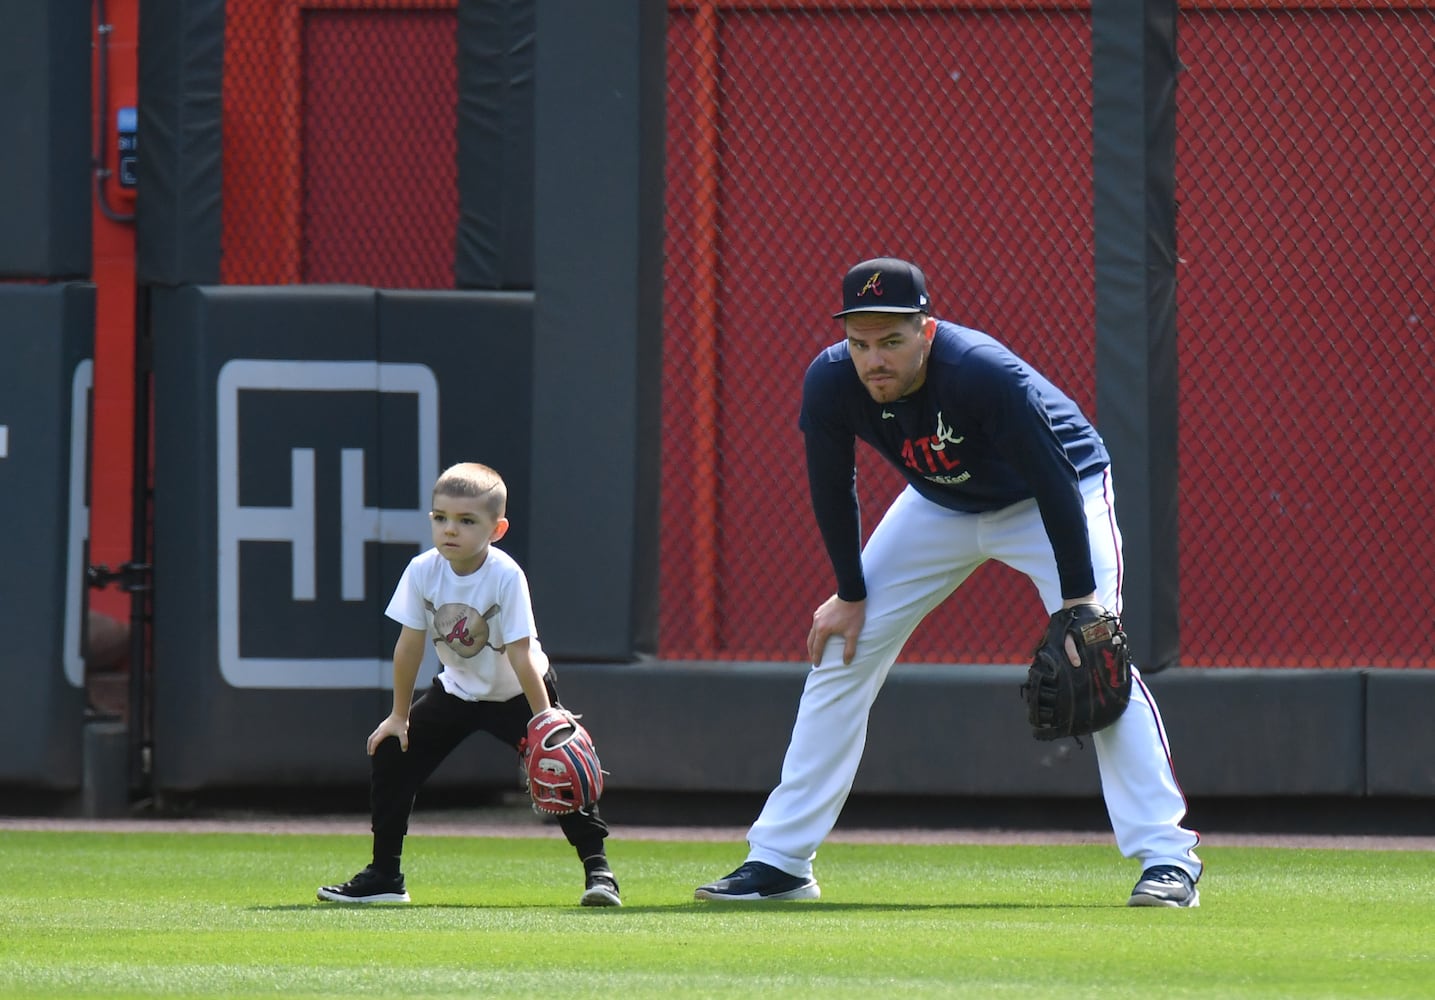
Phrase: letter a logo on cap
[884,285]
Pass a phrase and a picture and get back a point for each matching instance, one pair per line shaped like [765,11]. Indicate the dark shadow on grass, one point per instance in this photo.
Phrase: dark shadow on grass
[793,907]
[400,907]
[693,907]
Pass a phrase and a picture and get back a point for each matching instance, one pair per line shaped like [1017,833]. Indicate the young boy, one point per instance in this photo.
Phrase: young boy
[471,601]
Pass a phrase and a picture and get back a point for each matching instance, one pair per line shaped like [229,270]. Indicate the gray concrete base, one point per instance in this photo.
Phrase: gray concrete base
[105,781]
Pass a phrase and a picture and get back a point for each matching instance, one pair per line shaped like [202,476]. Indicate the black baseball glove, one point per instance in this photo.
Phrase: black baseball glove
[1062,700]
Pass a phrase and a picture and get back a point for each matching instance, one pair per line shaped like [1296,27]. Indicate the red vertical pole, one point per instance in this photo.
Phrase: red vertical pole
[115,85]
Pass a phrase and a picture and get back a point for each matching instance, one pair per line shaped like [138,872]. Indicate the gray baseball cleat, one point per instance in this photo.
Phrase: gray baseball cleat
[600,889]
[1165,885]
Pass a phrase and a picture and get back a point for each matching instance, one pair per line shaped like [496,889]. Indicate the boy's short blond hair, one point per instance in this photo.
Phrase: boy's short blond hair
[473,480]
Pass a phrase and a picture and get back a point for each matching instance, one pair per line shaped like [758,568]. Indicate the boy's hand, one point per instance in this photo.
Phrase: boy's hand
[392,726]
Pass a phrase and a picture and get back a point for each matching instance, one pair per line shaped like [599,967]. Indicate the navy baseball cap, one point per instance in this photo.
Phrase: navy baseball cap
[884,285]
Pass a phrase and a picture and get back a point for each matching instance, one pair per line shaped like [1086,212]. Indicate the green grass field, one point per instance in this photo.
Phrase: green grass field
[233,915]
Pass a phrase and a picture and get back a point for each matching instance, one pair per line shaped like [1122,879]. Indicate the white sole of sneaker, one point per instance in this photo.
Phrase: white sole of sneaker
[1144,900]
[384,897]
[809,891]
[599,896]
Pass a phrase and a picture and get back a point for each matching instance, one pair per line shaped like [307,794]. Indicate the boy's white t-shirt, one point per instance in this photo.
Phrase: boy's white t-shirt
[469,619]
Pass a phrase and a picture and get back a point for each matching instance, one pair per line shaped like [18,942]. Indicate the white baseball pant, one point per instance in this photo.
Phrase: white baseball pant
[916,557]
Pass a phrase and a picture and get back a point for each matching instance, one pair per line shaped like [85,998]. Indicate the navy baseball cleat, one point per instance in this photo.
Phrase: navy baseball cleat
[600,889]
[756,880]
[1165,885]
[369,886]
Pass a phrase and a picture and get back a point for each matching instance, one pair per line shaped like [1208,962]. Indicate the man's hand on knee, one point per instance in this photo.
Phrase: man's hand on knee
[836,617]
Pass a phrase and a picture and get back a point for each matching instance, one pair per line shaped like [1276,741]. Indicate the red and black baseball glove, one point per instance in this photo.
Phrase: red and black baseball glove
[560,764]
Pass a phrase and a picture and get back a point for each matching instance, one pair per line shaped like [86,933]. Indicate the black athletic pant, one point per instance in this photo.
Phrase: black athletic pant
[438,723]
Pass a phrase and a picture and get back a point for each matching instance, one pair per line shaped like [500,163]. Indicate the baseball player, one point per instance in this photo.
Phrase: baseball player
[471,601]
[999,464]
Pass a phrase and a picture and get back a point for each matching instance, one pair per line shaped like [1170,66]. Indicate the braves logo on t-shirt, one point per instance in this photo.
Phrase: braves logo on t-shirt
[463,629]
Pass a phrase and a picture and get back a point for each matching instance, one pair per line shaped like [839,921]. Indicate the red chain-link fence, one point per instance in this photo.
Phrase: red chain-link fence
[1305,144]
[802,139]
[340,148]
[804,135]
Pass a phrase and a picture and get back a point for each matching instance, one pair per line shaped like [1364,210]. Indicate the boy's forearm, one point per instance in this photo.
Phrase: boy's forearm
[530,668]
[534,691]
[408,658]
[405,675]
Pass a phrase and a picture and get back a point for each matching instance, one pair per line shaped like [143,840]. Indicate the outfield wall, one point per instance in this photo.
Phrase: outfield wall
[943,733]
[274,408]
[960,730]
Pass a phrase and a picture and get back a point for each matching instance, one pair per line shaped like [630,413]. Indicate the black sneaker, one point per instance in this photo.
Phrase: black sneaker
[600,889]
[1165,885]
[369,886]
[756,880]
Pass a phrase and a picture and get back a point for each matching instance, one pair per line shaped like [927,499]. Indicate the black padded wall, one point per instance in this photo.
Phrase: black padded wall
[45,169]
[1135,64]
[495,144]
[178,188]
[298,434]
[598,324]
[45,377]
